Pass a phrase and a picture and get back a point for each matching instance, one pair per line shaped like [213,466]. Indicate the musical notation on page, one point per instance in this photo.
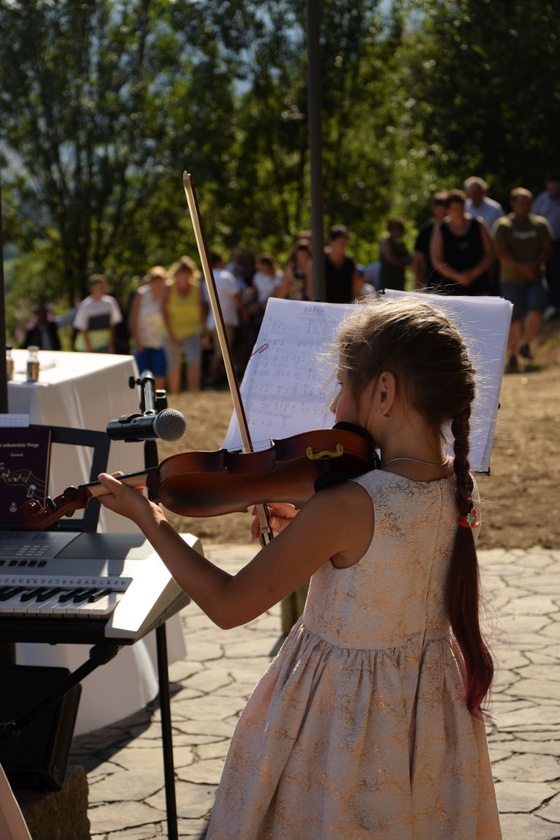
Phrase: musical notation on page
[290,379]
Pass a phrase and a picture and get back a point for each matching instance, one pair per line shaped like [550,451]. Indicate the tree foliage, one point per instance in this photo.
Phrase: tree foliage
[486,75]
[106,102]
[95,117]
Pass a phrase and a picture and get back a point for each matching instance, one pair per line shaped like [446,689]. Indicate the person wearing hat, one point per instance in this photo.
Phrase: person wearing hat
[547,204]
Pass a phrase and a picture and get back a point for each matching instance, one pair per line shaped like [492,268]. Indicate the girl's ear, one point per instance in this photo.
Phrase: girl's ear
[386,393]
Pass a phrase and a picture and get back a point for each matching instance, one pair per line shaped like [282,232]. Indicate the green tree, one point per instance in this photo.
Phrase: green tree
[363,106]
[105,102]
[485,75]
[100,112]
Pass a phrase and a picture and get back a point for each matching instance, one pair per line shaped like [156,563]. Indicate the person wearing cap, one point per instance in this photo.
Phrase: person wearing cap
[96,318]
[523,244]
[343,284]
[547,204]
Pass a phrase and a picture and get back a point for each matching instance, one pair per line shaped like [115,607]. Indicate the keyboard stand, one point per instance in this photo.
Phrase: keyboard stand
[100,654]
[166,732]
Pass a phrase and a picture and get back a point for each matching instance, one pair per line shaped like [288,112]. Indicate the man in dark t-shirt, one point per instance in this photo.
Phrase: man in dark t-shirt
[343,284]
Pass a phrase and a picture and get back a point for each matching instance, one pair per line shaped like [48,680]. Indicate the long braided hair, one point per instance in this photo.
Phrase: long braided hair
[416,342]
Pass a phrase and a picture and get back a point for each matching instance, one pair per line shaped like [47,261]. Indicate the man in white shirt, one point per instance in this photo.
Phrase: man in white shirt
[547,204]
[478,204]
[96,319]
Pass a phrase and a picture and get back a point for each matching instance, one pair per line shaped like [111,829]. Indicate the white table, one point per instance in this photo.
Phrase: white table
[85,391]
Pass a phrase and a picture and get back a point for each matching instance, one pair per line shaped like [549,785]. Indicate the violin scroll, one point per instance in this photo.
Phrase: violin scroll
[38,517]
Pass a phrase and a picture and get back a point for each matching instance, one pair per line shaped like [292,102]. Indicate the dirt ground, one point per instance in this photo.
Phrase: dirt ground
[520,497]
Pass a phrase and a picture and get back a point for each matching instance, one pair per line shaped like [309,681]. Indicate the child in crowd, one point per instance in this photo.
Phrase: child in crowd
[369,722]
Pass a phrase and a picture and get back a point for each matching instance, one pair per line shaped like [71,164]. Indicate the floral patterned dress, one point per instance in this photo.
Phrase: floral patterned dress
[359,728]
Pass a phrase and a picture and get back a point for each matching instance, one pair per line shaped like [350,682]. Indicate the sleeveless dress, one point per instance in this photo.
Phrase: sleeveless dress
[359,728]
[184,311]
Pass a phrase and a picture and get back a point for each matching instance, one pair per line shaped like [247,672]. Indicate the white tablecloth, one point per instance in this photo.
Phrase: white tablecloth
[85,391]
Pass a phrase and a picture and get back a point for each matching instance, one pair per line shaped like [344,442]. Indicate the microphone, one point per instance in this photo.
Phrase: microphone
[168,424]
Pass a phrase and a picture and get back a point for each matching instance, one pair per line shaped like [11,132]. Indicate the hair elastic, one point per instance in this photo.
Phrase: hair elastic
[471,520]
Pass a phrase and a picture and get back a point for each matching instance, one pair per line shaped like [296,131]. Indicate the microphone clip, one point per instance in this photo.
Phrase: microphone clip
[152,400]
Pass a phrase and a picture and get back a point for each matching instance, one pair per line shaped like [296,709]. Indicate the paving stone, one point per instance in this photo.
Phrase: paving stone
[522,827]
[550,811]
[547,689]
[120,815]
[206,772]
[194,801]
[534,718]
[546,671]
[524,768]
[524,625]
[136,785]
[517,746]
[515,797]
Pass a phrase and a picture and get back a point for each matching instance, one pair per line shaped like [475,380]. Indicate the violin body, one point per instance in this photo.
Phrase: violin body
[217,482]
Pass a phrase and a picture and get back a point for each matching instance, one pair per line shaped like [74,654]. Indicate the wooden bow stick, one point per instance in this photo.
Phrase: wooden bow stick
[194,210]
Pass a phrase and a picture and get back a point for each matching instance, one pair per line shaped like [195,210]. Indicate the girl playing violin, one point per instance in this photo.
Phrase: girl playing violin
[369,722]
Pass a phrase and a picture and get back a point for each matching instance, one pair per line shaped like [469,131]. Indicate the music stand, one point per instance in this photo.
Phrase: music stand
[100,442]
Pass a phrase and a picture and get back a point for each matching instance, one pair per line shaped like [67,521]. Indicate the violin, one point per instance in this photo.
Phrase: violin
[210,483]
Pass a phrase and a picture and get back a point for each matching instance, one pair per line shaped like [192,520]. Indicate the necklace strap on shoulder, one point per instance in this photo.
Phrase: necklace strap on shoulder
[415,461]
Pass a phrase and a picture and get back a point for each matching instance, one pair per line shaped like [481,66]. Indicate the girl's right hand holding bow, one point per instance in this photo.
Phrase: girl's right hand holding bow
[280,514]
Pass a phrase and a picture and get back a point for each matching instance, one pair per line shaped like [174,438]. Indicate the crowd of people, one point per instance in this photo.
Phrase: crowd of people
[471,246]
[468,246]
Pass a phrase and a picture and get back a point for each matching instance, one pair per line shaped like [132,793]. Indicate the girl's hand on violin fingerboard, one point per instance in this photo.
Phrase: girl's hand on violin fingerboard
[280,514]
[120,498]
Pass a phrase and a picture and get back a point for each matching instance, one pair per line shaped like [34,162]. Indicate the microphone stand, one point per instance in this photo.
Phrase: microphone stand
[151,402]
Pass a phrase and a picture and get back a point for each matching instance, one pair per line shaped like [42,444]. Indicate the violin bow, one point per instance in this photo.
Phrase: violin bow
[194,210]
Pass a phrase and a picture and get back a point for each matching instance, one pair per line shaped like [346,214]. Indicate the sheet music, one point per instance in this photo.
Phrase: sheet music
[290,380]
[288,387]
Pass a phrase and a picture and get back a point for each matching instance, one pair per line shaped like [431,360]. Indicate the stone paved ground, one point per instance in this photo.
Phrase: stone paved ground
[210,687]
